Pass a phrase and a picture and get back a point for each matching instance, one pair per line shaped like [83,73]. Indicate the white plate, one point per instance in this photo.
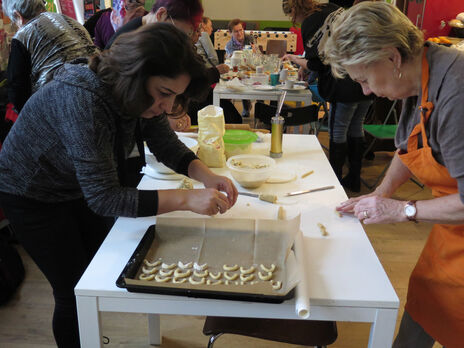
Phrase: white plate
[263,87]
[295,88]
[147,170]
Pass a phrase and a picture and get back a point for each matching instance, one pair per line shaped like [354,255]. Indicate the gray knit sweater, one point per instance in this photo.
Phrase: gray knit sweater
[64,147]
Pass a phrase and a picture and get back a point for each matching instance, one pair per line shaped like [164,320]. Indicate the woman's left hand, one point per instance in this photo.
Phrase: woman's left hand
[180,124]
[223,184]
[377,209]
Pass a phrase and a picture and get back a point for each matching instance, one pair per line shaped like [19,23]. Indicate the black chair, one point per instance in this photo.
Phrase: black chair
[301,332]
[293,116]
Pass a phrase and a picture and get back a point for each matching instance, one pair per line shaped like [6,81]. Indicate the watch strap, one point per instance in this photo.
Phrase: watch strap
[412,218]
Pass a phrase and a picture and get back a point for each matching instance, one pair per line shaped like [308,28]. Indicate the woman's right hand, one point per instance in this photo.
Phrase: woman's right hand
[206,201]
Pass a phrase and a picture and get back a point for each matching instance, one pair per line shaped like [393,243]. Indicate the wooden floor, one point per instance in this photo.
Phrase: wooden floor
[25,322]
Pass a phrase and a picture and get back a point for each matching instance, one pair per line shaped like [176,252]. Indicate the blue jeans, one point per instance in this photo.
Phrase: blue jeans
[346,120]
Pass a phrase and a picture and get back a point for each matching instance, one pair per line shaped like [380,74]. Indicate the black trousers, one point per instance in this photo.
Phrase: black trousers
[62,239]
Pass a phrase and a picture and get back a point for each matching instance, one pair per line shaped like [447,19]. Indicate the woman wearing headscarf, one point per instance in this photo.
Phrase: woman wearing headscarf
[378,47]
[348,104]
[59,165]
[43,43]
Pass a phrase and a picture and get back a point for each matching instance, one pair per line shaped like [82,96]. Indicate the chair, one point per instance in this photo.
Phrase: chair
[278,47]
[301,332]
[382,132]
[293,116]
[321,124]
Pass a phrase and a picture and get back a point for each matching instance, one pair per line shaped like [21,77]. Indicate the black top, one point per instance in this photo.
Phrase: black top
[331,89]
[19,75]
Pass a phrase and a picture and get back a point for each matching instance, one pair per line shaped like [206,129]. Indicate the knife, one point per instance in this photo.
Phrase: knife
[296,193]
[267,196]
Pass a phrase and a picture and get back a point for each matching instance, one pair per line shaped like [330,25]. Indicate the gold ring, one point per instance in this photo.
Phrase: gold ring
[366,215]
[179,124]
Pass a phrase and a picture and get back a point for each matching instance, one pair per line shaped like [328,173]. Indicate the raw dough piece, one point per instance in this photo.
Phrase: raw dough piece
[323,229]
[167,266]
[186,184]
[144,276]
[149,264]
[215,276]
[247,271]
[180,273]
[149,271]
[200,267]
[232,276]
[265,277]
[268,269]
[230,268]
[184,265]
[268,198]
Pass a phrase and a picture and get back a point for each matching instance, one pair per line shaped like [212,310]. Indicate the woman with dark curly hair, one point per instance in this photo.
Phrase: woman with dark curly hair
[59,165]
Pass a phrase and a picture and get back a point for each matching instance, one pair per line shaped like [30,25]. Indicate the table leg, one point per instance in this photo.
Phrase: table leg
[154,329]
[216,99]
[89,322]
[383,328]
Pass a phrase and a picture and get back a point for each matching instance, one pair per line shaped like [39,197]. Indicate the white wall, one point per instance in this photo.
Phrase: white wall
[245,9]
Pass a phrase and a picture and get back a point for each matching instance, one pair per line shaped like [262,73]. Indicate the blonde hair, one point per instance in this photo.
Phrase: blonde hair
[361,33]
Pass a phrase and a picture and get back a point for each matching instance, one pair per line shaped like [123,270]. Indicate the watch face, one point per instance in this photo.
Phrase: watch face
[410,210]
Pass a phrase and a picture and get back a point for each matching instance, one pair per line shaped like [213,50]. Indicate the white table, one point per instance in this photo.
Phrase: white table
[249,93]
[346,281]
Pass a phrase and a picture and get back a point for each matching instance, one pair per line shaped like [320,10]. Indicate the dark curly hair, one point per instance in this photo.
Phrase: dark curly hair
[158,49]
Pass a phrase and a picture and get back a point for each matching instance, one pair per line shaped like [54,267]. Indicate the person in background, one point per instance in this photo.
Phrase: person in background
[378,46]
[122,12]
[43,43]
[185,15]
[237,42]
[59,165]
[349,105]
[204,45]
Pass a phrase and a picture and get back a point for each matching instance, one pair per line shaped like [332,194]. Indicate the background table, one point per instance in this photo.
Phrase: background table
[249,93]
[346,281]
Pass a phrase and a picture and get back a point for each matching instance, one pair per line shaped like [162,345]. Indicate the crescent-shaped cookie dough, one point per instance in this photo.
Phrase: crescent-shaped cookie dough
[215,276]
[161,279]
[268,276]
[201,274]
[178,273]
[209,282]
[152,264]
[164,273]
[200,267]
[247,270]
[168,266]
[276,284]
[177,280]
[268,269]
[246,278]
[232,276]
[197,282]
[230,268]
[184,265]
[144,276]
[149,271]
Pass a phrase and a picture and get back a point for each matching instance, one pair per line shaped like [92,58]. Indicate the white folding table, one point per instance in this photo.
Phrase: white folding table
[345,280]
[249,93]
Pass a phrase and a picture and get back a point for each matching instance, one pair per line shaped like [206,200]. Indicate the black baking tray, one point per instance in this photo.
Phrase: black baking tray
[135,261]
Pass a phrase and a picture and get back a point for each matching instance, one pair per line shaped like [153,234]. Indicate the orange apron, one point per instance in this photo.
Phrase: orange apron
[436,287]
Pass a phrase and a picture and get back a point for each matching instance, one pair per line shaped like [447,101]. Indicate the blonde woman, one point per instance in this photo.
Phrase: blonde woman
[377,46]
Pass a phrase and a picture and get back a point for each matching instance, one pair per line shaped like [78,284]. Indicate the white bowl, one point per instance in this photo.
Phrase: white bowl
[251,171]
[154,164]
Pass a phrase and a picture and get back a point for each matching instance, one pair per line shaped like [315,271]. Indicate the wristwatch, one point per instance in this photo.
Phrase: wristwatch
[410,211]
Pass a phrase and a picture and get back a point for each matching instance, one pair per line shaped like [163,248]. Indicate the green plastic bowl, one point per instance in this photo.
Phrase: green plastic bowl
[238,141]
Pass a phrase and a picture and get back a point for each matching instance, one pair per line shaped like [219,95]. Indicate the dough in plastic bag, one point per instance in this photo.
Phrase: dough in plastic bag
[211,129]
